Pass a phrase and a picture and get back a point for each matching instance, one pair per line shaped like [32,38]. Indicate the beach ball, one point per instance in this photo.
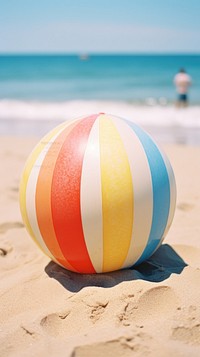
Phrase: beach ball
[97,194]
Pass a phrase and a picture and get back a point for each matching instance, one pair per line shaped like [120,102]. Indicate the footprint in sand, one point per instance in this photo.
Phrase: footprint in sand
[125,346]
[187,334]
[187,325]
[53,323]
[156,302]
[4,227]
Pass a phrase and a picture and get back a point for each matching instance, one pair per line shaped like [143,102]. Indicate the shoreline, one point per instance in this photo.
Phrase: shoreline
[166,124]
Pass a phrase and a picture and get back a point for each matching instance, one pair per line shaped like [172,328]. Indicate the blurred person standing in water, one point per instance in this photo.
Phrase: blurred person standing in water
[182,82]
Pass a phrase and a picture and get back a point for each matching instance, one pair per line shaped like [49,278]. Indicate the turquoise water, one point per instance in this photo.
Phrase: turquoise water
[132,78]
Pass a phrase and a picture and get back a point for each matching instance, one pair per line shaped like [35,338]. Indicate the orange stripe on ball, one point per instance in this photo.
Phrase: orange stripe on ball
[43,198]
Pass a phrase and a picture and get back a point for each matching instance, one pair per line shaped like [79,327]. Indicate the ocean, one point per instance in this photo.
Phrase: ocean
[54,88]
[143,79]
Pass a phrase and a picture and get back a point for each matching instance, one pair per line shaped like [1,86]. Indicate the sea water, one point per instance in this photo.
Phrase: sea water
[134,78]
[54,88]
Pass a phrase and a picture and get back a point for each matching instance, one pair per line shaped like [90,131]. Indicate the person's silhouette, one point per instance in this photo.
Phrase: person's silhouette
[182,82]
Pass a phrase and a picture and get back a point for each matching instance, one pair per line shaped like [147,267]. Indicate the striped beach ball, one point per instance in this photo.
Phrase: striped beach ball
[97,194]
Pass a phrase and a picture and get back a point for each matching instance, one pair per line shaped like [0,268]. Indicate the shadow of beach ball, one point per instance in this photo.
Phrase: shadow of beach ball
[97,194]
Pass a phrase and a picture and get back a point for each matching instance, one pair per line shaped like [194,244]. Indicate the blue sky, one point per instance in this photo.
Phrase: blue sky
[99,26]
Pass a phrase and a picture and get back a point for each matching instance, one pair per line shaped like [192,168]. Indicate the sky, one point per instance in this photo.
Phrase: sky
[99,26]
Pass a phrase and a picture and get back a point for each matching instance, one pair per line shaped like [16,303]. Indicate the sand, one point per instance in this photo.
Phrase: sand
[153,310]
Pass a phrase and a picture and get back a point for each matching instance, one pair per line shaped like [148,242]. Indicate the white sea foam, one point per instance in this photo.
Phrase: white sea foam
[158,116]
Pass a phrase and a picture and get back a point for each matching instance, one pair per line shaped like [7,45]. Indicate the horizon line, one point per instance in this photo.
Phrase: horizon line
[82,53]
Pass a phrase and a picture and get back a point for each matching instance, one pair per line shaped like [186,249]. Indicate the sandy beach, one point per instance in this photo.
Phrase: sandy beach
[152,310]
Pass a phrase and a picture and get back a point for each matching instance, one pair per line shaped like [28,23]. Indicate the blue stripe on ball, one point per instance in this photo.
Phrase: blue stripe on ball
[161,191]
